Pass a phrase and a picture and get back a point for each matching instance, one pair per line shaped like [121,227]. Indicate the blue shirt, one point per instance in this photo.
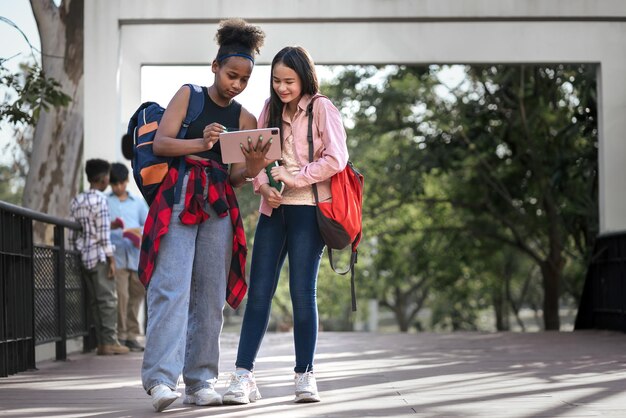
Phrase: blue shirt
[133,212]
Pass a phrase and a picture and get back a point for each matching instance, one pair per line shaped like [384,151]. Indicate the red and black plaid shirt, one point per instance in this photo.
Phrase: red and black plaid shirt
[222,199]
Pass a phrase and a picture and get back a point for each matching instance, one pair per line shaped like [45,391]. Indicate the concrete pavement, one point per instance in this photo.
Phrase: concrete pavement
[549,374]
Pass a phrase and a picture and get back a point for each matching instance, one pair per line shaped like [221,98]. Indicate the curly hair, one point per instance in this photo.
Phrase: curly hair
[236,36]
[96,169]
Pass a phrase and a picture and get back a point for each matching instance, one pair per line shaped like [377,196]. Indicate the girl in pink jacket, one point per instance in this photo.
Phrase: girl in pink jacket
[287,226]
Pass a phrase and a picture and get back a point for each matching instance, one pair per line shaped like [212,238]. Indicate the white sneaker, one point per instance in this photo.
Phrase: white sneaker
[241,390]
[162,397]
[203,397]
[306,388]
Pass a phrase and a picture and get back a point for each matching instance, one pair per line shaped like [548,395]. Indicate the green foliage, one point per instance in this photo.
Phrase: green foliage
[10,190]
[522,143]
[333,294]
[522,140]
[27,93]
[508,157]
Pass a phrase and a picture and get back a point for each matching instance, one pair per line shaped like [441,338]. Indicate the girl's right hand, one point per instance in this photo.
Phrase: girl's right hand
[211,134]
[271,195]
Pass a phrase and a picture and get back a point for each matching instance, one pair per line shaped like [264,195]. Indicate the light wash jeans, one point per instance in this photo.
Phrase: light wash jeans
[186,297]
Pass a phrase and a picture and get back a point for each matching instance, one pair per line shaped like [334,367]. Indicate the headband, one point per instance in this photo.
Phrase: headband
[221,58]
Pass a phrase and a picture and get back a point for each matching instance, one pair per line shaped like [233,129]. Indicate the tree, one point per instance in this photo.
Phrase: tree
[54,174]
[515,148]
[522,142]
[405,254]
[26,93]
[411,262]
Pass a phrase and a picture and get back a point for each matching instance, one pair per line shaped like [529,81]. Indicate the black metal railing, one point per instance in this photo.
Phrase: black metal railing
[42,297]
[603,302]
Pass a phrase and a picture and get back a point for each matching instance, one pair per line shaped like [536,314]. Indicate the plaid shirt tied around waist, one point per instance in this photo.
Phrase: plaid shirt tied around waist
[222,199]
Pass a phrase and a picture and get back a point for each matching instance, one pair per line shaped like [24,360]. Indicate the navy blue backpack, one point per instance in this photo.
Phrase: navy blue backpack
[149,170]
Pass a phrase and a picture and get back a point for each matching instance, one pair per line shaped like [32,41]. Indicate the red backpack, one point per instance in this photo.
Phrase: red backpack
[340,220]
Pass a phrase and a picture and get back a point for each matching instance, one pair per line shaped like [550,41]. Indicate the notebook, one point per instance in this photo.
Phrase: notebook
[278,185]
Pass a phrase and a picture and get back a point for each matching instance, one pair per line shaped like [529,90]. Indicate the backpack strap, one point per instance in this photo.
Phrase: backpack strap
[194,109]
[309,138]
[354,255]
[353,259]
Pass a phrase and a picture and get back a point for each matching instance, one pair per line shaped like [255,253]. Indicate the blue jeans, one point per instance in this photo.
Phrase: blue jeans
[185,298]
[291,231]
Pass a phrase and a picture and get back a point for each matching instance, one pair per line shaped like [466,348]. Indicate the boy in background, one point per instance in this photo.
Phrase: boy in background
[129,215]
[93,241]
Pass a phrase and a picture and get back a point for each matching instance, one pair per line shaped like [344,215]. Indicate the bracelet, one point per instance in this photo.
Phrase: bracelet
[245,176]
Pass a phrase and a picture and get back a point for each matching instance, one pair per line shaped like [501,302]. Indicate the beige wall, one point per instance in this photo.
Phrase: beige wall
[117,35]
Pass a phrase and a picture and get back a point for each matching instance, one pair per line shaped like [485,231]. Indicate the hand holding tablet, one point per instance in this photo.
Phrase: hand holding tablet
[231,144]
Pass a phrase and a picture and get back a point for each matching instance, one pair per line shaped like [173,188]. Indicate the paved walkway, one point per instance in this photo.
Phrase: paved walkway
[581,374]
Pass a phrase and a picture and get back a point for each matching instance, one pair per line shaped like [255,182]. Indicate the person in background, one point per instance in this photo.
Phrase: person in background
[193,251]
[287,226]
[91,210]
[129,215]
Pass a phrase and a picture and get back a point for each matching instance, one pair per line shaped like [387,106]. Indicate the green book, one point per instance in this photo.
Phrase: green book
[278,185]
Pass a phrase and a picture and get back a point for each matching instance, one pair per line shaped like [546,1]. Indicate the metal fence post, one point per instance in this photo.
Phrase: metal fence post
[17,344]
[59,243]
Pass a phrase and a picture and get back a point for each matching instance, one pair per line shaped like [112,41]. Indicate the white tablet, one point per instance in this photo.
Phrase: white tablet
[231,148]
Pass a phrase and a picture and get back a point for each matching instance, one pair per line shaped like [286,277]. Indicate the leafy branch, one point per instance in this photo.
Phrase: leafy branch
[34,92]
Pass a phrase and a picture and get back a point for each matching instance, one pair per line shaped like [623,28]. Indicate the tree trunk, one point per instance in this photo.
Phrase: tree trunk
[516,305]
[498,304]
[400,311]
[551,272]
[552,267]
[55,162]
[401,318]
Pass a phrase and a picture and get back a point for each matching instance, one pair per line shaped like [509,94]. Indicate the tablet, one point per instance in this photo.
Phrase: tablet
[231,148]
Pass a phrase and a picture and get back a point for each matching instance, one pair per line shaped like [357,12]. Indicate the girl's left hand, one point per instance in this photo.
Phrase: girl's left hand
[255,155]
[280,173]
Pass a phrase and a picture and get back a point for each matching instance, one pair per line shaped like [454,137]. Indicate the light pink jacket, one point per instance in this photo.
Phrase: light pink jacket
[330,152]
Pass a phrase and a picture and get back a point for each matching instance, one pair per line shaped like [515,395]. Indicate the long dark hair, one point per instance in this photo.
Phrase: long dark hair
[299,60]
